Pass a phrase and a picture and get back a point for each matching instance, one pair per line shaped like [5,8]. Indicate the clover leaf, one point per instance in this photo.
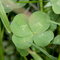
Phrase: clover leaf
[56,6]
[39,22]
[57,40]
[22,43]
[20,27]
[43,39]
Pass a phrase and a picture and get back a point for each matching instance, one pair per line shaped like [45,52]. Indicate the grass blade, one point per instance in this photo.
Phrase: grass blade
[4,18]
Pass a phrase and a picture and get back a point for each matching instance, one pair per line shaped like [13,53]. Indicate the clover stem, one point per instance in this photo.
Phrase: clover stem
[54,22]
[59,57]
[34,55]
[25,58]
[45,52]
[41,5]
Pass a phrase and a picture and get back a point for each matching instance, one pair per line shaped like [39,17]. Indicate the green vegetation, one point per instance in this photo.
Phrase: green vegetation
[30,31]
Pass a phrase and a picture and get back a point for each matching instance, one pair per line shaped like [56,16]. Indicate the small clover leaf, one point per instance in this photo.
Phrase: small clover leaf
[43,39]
[22,43]
[38,22]
[56,6]
[57,40]
[20,27]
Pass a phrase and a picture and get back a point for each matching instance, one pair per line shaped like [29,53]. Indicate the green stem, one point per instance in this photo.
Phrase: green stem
[25,58]
[54,22]
[41,5]
[1,45]
[35,55]
[45,52]
[59,57]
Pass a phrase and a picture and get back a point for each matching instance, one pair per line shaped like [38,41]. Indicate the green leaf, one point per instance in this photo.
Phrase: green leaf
[53,27]
[56,6]
[57,40]
[19,26]
[7,9]
[9,50]
[22,43]
[38,22]
[23,52]
[53,16]
[4,18]
[10,5]
[44,38]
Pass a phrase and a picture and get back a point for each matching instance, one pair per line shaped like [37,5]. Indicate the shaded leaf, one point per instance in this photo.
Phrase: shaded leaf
[23,52]
[9,50]
[57,40]
[53,27]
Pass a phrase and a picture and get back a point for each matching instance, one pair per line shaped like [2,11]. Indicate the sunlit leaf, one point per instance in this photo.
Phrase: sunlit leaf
[19,26]
[10,5]
[4,18]
[44,38]
[38,22]
[47,5]
[56,6]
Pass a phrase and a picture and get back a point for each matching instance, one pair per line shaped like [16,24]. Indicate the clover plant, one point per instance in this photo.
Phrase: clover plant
[35,31]
[32,30]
